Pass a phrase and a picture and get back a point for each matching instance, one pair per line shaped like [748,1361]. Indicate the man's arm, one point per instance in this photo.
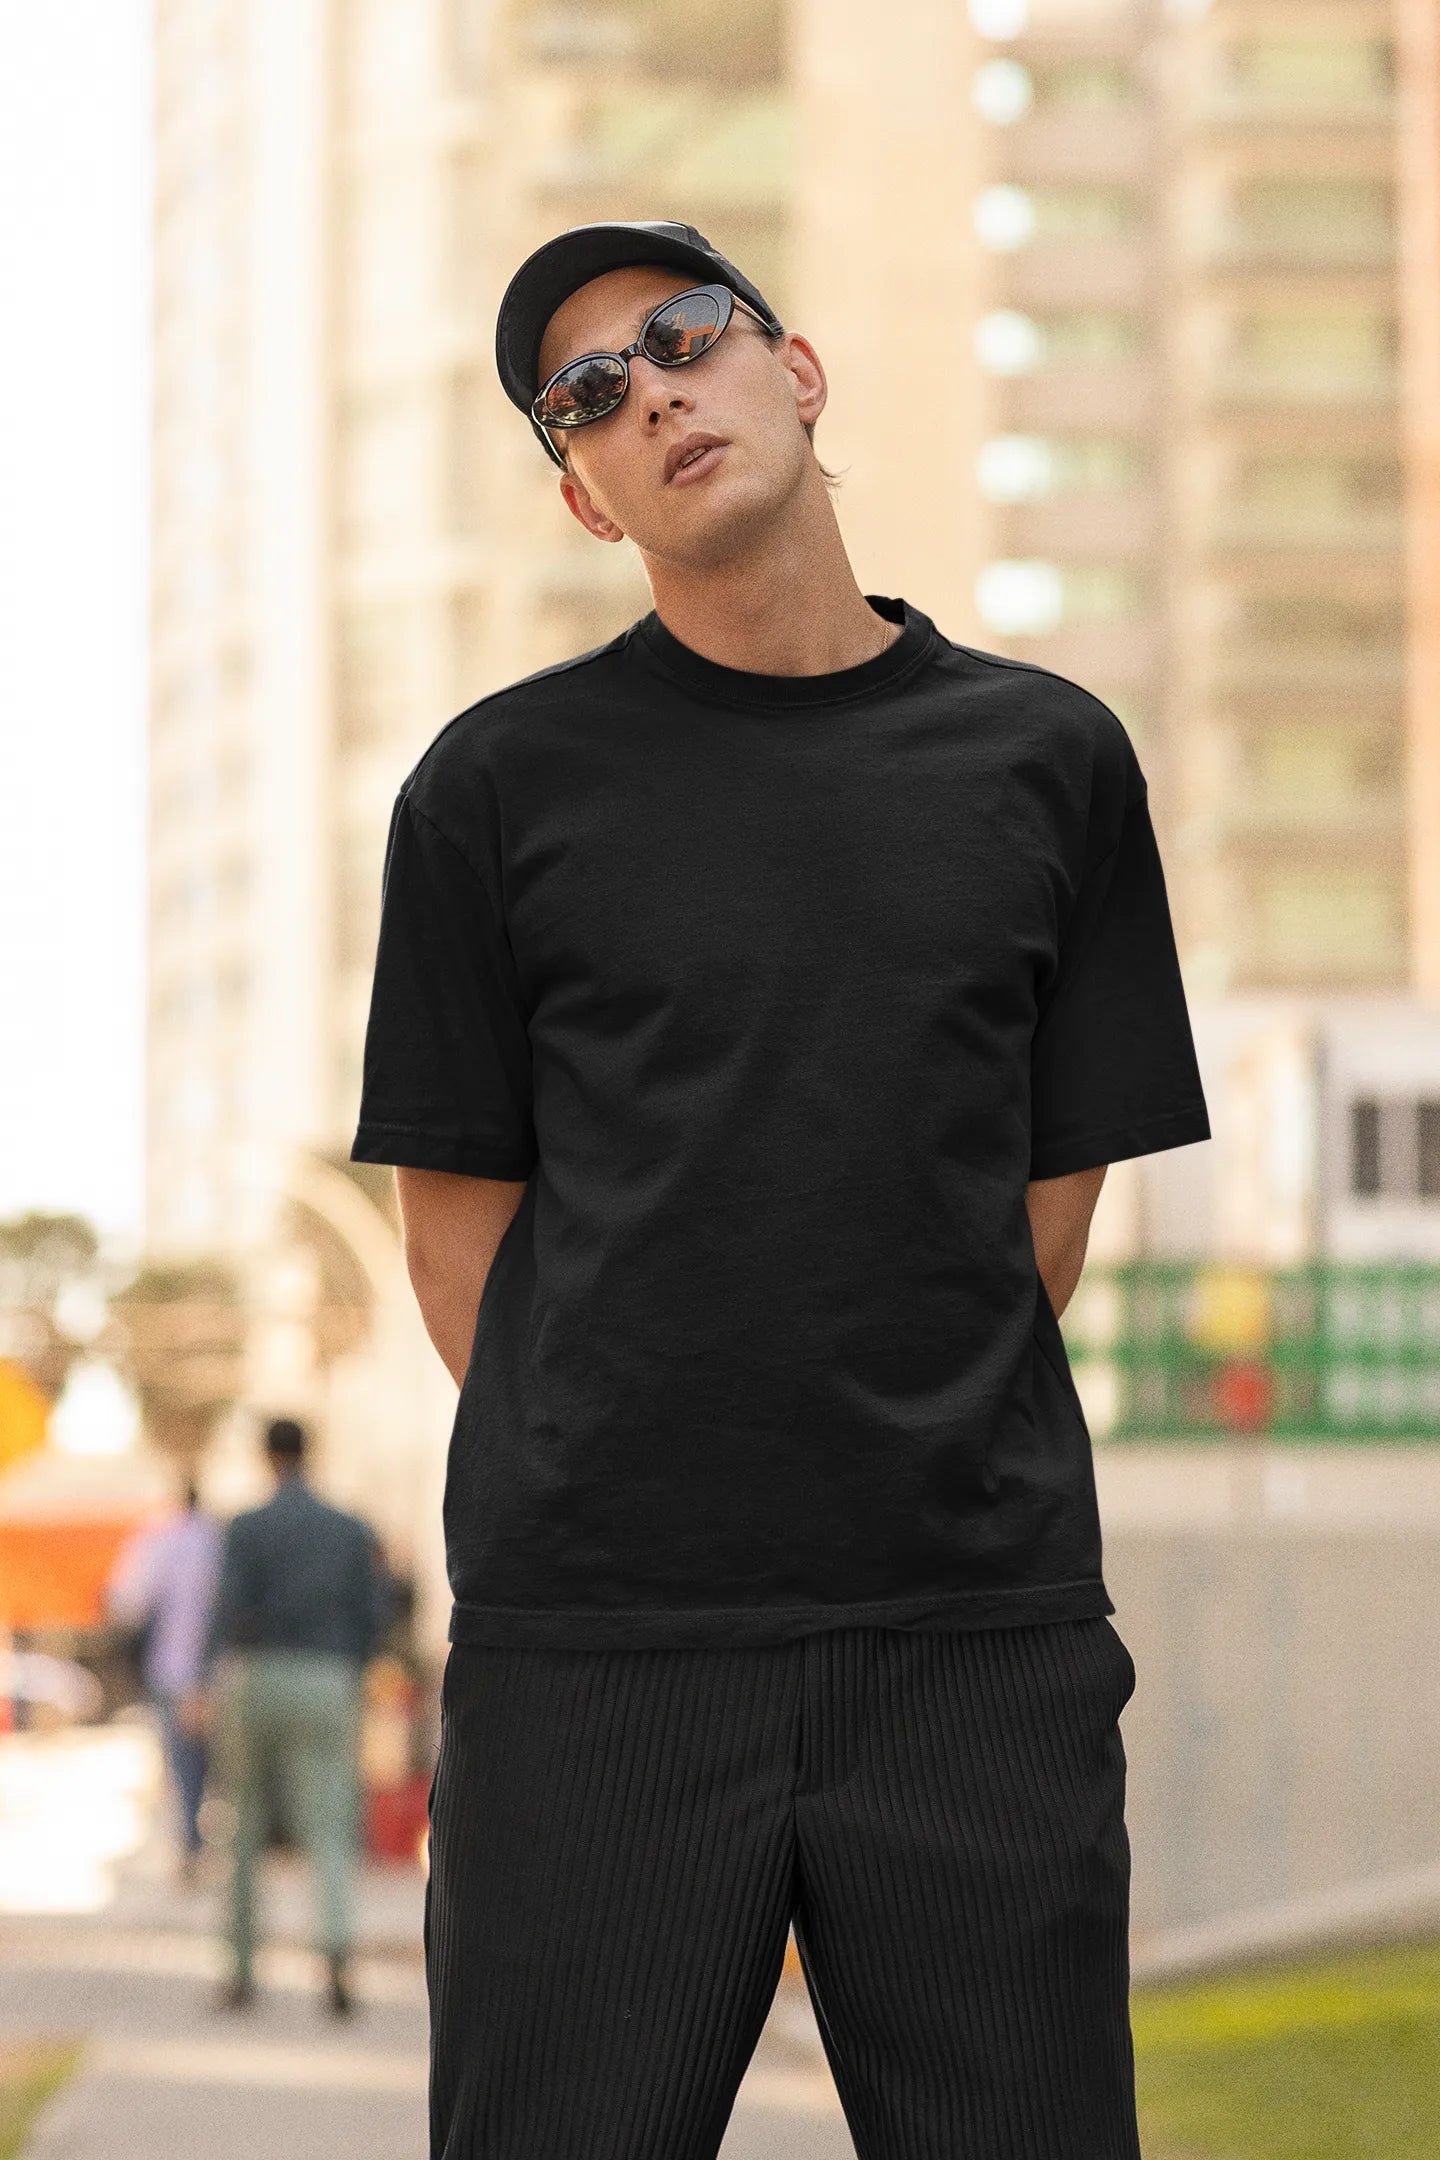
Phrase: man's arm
[453,1226]
[197,1704]
[1060,1209]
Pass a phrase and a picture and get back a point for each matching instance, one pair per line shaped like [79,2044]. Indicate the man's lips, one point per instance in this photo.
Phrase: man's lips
[708,458]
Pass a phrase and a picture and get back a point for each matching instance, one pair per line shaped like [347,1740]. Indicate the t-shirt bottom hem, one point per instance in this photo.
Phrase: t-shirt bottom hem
[740,1627]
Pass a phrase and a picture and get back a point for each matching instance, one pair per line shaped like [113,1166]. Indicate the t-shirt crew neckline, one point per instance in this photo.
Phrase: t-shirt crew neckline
[743,686]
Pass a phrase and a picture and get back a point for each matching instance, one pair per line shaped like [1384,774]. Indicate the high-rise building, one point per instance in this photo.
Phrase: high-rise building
[1108,293]
[1285,712]
[354,534]
[1069,479]
[977,252]
[1418,169]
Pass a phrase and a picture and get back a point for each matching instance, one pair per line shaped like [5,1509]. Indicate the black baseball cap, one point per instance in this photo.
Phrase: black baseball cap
[570,260]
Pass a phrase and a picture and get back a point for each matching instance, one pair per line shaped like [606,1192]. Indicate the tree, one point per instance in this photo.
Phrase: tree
[43,1259]
[178,1335]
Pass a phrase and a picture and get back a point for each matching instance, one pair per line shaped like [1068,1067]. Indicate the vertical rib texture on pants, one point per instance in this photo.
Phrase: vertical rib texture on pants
[621,1840]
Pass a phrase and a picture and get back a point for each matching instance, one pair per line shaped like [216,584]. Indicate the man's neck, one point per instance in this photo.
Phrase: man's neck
[790,605]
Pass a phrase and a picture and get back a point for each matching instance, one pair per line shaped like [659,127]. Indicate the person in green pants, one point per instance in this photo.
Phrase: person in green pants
[303,1600]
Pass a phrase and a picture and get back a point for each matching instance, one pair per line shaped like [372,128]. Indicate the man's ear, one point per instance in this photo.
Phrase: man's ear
[577,501]
[807,374]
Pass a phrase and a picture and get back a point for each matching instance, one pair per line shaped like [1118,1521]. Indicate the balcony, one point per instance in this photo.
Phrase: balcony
[1270,822]
[1240,663]
[1245,245]
[1076,144]
[1251,382]
[1272,529]
[1066,528]
[727,151]
[1269,108]
[1100,273]
[1117,397]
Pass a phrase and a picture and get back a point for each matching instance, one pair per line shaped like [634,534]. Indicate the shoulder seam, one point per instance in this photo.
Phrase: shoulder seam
[1033,667]
[557,667]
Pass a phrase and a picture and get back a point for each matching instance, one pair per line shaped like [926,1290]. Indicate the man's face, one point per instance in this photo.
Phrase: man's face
[751,390]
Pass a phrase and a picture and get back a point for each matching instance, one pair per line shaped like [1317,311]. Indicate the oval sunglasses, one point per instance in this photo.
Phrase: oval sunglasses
[675,333]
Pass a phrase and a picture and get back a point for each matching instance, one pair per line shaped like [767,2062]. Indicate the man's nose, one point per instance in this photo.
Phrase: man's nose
[660,392]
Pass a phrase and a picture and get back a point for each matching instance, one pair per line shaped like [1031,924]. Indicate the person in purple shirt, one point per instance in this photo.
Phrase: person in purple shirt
[165,1581]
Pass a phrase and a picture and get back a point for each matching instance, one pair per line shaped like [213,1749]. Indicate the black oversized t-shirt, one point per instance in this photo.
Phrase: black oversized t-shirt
[777,990]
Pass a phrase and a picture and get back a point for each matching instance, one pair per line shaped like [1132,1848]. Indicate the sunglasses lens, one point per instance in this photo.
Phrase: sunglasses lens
[584,391]
[684,329]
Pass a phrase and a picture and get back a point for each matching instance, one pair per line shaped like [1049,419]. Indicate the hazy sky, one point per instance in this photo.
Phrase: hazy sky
[74,299]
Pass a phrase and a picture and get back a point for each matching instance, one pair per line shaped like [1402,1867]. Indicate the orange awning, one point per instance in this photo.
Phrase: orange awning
[53,1573]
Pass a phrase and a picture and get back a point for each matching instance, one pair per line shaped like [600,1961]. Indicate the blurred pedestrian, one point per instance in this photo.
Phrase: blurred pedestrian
[760,996]
[303,1601]
[163,1587]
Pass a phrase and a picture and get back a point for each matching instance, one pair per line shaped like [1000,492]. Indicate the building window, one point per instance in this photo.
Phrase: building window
[1348,348]
[1035,468]
[1003,92]
[1008,342]
[1320,625]
[1315,219]
[1427,1149]
[1028,599]
[1000,18]
[1009,217]
[1084,85]
[1320,490]
[1312,73]
[1395,1148]
[1365,1147]
[1327,923]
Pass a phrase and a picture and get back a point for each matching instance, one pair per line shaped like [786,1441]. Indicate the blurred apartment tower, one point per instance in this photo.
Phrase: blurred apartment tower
[354,534]
[1146,431]
[1418,143]
[989,175]
[1187,411]
[1286,556]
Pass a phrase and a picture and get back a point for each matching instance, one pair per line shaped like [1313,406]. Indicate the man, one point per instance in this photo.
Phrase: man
[163,1585]
[759,999]
[302,1603]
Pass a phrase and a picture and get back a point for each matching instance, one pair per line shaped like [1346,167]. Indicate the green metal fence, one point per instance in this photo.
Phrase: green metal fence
[1328,1351]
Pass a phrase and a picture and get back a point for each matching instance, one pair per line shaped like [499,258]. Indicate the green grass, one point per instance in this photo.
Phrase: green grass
[30,2071]
[1334,2059]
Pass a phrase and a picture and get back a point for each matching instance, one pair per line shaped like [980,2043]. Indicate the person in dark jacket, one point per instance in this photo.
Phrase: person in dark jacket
[302,1603]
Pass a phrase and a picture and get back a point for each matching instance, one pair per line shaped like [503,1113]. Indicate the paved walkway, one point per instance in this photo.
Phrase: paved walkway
[166,2076]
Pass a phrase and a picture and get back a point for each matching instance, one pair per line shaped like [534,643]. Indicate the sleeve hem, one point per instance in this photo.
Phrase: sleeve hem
[409,1149]
[1118,1143]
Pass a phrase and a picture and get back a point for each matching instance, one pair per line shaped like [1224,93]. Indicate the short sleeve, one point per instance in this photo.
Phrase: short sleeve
[1113,1071]
[447,1081]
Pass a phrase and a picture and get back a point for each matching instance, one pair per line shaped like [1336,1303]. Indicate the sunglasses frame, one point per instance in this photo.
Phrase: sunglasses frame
[729,301]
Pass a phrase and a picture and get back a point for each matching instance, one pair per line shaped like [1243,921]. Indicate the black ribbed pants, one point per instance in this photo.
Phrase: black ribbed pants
[621,1839]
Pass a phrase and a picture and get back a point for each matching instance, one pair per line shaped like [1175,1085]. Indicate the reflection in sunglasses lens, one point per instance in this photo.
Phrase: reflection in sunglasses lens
[590,387]
[684,330]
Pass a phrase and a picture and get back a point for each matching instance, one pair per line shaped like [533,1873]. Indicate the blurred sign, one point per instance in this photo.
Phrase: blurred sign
[1231,1309]
[53,1574]
[1329,1351]
[24,1413]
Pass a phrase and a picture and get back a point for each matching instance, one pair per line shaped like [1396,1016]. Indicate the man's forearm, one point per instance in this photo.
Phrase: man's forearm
[449,1304]
[1060,1210]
